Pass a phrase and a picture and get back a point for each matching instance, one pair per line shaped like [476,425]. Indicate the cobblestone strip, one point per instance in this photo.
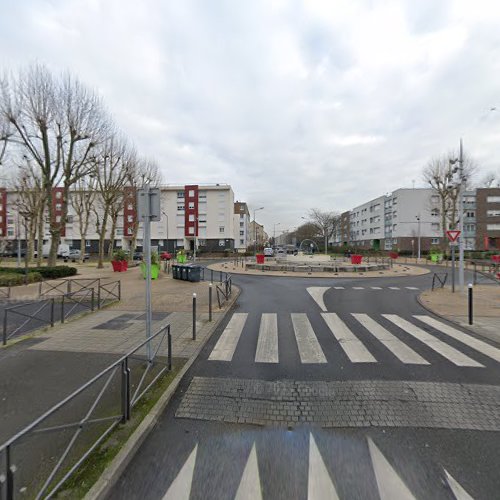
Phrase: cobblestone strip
[343,404]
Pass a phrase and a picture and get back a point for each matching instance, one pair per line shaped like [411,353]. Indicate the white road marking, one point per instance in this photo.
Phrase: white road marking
[376,287]
[226,345]
[249,488]
[398,348]
[339,287]
[351,345]
[478,345]
[450,353]
[309,349]
[319,485]
[358,287]
[317,293]
[411,288]
[456,487]
[180,489]
[390,485]
[267,344]
[394,288]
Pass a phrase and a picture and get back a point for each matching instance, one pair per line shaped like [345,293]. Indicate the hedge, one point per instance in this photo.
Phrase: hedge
[13,279]
[46,272]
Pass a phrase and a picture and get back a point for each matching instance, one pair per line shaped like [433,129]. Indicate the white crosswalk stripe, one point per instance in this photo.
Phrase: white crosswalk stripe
[398,348]
[411,287]
[450,353]
[225,347]
[180,489]
[267,344]
[250,488]
[457,488]
[309,349]
[319,484]
[394,288]
[478,345]
[352,346]
[339,287]
[353,341]
[376,287]
[358,287]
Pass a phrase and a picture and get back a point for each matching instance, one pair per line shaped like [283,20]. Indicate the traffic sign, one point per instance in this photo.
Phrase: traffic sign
[453,235]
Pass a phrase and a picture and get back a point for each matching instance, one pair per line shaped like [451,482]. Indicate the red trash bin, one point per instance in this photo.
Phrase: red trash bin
[260,258]
[356,259]
[393,255]
[496,258]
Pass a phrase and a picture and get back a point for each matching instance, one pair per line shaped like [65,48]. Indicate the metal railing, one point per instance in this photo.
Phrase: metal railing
[224,290]
[66,285]
[439,278]
[39,459]
[30,316]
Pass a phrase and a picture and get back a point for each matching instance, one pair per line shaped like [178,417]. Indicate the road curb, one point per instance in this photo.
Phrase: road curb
[114,470]
[446,318]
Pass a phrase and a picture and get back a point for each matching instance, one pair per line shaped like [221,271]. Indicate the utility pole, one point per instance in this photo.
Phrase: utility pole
[418,237]
[461,279]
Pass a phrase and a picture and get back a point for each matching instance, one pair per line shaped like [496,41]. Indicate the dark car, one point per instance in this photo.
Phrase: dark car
[138,256]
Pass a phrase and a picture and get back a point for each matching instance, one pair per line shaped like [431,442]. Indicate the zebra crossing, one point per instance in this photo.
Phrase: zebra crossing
[375,288]
[320,482]
[393,332]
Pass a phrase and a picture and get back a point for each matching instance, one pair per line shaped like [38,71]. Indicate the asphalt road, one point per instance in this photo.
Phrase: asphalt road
[342,402]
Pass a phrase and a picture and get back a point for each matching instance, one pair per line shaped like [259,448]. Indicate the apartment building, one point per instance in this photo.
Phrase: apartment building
[242,238]
[398,220]
[257,232]
[192,215]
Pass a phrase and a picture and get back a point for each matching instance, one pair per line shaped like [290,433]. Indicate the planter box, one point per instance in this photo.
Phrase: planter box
[356,259]
[155,270]
[119,265]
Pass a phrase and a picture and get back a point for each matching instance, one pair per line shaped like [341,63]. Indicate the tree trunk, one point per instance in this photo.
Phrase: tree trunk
[112,236]
[41,227]
[102,239]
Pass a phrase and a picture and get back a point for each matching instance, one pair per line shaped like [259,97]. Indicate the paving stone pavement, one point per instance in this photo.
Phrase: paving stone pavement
[343,404]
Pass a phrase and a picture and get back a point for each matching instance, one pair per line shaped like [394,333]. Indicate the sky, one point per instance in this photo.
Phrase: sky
[297,105]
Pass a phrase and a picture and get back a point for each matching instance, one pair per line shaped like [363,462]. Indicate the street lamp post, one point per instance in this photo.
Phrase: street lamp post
[274,232]
[255,224]
[418,236]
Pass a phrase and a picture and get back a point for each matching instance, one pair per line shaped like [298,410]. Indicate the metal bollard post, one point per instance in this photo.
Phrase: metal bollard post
[169,340]
[5,327]
[125,391]
[52,303]
[62,309]
[220,277]
[194,316]
[210,286]
[470,303]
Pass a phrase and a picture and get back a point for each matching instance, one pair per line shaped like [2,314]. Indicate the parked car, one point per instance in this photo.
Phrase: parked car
[268,252]
[137,256]
[165,256]
[74,255]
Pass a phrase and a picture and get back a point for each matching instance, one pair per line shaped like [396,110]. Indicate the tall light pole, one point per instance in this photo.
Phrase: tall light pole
[167,226]
[274,232]
[255,227]
[418,236]
[461,188]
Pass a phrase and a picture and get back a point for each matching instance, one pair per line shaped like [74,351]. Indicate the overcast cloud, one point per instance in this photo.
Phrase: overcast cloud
[297,105]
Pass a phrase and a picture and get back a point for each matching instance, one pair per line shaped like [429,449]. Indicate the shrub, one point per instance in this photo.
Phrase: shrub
[119,255]
[11,279]
[46,272]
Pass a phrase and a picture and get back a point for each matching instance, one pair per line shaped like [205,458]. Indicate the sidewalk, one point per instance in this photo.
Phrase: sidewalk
[39,371]
[453,306]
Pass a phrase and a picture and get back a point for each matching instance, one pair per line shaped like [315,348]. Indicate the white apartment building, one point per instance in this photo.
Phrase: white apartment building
[201,215]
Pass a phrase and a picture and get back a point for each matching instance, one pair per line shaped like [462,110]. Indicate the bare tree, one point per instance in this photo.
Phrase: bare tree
[324,223]
[490,180]
[439,174]
[58,122]
[83,199]
[112,172]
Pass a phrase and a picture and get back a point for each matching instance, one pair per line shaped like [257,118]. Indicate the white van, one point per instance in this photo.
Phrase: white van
[268,252]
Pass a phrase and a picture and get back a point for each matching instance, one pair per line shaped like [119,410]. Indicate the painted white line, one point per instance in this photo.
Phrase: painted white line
[376,287]
[398,348]
[358,287]
[309,349]
[411,288]
[226,345]
[339,287]
[394,288]
[267,345]
[180,489]
[319,484]
[351,345]
[450,353]
[390,485]
[456,487]
[478,345]
[249,488]
[317,293]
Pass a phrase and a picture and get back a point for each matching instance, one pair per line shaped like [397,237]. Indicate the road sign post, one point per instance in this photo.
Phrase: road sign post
[452,235]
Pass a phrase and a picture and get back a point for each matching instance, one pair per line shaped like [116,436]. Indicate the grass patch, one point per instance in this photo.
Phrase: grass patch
[91,469]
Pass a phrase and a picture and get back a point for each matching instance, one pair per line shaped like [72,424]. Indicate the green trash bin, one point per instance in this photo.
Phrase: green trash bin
[175,272]
[184,272]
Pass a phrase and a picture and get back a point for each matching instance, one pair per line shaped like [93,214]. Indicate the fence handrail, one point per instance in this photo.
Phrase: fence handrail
[76,392]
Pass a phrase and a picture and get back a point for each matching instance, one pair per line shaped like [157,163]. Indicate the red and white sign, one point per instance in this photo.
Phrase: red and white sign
[453,235]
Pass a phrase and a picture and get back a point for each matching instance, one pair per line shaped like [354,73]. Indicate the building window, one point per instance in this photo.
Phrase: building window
[221,229]
[180,208]
[242,224]
[434,241]
[10,220]
[119,231]
[191,217]
[222,243]
[242,233]
[130,206]
[242,242]
[434,212]
[180,194]
[191,230]
[129,230]
[470,227]
[191,193]
[69,219]
[470,214]
[395,241]
[58,218]
[191,205]
[394,226]
[58,206]
[435,226]
[493,227]
[489,213]
[130,218]
[58,195]
[435,199]
[493,199]
[202,195]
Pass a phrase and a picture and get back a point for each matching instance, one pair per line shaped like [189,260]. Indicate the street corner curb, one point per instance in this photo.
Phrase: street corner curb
[450,320]
[111,474]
